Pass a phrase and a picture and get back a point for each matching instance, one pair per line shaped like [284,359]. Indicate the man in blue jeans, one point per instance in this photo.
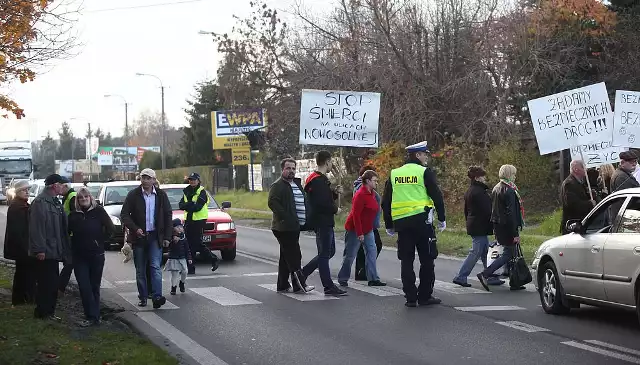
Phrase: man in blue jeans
[321,199]
[146,212]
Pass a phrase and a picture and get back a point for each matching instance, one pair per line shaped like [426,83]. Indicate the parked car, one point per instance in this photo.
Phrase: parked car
[94,188]
[35,189]
[219,231]
[111,197]
[598,263]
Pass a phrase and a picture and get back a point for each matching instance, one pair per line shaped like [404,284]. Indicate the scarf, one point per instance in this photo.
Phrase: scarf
[513,186]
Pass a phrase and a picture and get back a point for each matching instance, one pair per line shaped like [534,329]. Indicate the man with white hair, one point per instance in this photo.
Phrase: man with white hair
[576,201]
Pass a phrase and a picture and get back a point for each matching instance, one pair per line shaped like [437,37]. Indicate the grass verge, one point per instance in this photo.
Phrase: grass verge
[25,340]
[245,199]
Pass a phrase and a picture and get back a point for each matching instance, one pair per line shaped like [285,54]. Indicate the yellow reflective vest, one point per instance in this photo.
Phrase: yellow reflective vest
[410,196]
[67,202]
[202,213]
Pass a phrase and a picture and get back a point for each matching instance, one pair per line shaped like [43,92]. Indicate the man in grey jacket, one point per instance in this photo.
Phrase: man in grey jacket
[49,244]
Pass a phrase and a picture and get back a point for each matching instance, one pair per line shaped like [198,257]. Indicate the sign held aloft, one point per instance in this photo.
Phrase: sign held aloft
[339,118]
[571,118]
[597,154]
[626,120]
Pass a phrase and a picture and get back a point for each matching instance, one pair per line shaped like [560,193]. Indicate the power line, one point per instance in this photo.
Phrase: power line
[143,6]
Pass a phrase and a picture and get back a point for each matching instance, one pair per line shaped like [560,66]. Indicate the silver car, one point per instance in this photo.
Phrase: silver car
[598,263]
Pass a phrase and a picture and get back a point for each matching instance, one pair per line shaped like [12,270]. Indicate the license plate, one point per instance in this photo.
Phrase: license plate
[206,238]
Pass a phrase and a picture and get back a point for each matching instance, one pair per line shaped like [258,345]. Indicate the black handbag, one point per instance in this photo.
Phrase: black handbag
[519,274]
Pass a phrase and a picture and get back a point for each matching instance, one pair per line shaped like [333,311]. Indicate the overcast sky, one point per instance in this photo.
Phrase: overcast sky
[162,40]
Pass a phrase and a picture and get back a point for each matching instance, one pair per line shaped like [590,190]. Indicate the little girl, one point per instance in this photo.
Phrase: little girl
[179,256]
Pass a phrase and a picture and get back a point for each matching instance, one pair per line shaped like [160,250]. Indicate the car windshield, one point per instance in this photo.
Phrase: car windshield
[15,166]
[94,190]
[176,194]
[114,195]
[33,190]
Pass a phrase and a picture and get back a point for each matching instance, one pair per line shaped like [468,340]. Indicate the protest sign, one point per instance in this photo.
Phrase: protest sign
[626,120]
[570,118]
[339,118]
[597,154]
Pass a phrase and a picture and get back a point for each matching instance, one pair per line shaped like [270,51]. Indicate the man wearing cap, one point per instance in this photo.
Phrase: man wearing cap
[146,212]
[195,203]
[410,196]
[623,178]
[49,243]
[574,195]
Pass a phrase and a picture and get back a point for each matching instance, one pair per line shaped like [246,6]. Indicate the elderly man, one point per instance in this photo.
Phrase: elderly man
[49,243]
[576,202]
[623,178]
[146,212]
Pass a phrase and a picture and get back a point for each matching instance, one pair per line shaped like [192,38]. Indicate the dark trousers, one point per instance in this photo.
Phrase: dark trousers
[420,237]
[47,274]
[65,276]
[361,274]
[88,272]
[290,258]
[326,243]
[24,281]
[193,231]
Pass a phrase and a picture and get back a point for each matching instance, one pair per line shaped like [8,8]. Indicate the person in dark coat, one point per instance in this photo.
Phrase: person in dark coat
[507,216]
[90,226]
[16,246]
[477,213]
[576,202]
[623,179]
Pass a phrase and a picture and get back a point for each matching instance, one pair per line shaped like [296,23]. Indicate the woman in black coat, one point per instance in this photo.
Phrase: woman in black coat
[16,246]
[477,213]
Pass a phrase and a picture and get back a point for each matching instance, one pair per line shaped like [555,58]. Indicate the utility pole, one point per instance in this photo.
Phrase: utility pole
[162,148]
[88,152]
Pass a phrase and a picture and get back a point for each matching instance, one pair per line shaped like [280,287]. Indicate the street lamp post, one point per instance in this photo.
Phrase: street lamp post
[126,117]
[162,153]
[73,147]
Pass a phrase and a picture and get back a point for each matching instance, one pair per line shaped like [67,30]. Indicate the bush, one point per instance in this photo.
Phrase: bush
[535,176]
[390,156]
[176,176]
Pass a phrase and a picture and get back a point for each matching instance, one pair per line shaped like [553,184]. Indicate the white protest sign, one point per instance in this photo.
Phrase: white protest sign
[573,117]
[626,120]
[339,118]
[597,154]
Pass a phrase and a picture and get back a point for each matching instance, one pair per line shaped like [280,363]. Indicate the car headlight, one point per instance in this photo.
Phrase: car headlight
[115,220]
[225,226]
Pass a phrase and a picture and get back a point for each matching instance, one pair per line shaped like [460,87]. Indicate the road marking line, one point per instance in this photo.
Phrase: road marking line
[381,291]
[184,342]
[486,308]
[597,350]
[452,288]
[106,284]
[261,274]
[313,295]
[522,326]
[614,347]
[224,296]
[528,287]
[132,298]
[270,262]
[120,282]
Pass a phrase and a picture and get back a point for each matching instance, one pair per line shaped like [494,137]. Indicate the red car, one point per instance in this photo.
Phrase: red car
[219,232]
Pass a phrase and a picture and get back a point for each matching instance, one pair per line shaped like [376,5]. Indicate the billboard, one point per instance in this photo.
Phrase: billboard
[228,126]
[122,156]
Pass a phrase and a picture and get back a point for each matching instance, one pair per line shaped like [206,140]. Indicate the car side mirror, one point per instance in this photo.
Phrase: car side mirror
[226,205]
[574,226]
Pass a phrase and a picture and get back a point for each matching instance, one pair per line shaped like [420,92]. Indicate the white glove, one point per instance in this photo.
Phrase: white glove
[442,226]
[391,231]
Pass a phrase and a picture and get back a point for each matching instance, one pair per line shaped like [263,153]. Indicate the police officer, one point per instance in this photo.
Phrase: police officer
[68,204]
[195,204]
[410,196]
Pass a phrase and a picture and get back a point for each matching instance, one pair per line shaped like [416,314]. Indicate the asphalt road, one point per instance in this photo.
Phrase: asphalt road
[234,316]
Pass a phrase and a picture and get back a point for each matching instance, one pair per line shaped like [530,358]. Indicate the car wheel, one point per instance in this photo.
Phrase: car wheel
[551,291]
[228,255]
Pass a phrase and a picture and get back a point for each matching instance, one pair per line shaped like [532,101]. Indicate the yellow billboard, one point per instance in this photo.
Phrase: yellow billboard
[228,126]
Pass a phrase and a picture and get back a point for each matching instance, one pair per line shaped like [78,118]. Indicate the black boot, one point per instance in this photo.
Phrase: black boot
[173,290]
[182,289]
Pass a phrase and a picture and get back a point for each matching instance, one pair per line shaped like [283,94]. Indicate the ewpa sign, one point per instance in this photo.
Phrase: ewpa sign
[339,118]
[626,119]
[572,118]
[231,123]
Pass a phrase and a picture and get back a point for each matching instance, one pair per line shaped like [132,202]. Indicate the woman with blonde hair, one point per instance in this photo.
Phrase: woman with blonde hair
[91,226]
[604,180]
[507,216]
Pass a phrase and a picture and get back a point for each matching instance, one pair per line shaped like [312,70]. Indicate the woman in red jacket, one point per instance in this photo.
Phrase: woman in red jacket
[359,228]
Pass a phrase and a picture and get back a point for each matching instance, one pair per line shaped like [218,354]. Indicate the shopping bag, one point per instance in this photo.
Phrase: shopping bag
[495,250]
[519,273]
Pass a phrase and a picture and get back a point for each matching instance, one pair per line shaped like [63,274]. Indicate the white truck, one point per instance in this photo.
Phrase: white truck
[16,163]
